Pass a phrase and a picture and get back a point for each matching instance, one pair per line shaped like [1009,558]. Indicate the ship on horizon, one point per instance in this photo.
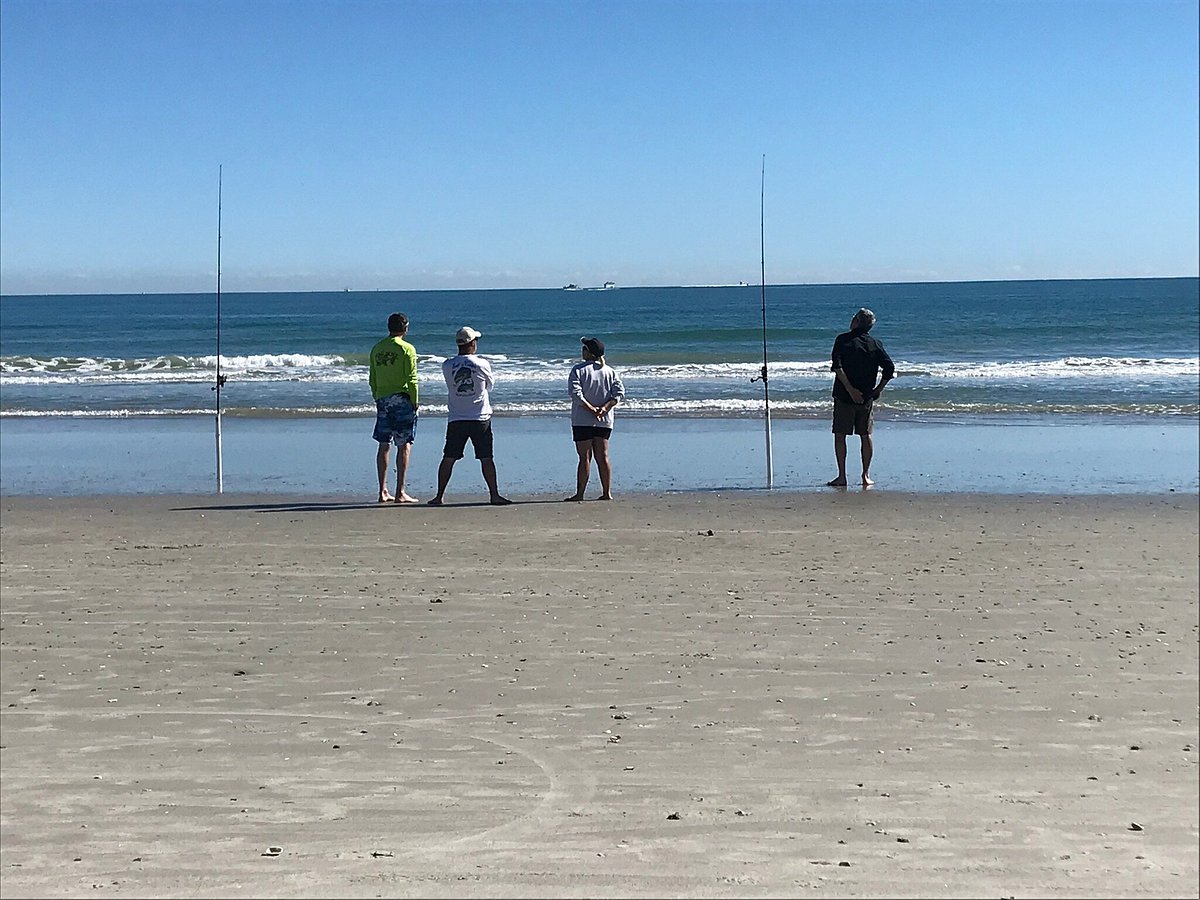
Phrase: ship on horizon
[608,286]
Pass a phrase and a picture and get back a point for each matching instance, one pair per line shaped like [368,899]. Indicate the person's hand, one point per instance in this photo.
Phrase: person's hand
[855,394]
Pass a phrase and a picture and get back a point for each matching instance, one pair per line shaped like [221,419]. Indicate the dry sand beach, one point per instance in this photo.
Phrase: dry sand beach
[710,695]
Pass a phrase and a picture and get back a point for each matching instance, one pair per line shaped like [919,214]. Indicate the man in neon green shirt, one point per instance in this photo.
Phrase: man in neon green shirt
[393,379]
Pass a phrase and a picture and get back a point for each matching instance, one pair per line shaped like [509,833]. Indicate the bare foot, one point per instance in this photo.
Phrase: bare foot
[604,497]
[574,498]
[405,498]
[385,497]
[434,501]
[837,482]
[500,501]
[867,482]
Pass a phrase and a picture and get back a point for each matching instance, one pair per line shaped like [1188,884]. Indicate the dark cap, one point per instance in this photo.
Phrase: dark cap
[594,346]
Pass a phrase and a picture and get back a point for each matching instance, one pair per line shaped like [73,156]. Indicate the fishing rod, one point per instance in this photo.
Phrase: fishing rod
[220,378]
[762,194]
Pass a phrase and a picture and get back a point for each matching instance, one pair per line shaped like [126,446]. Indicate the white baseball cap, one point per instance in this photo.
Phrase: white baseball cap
[466,334]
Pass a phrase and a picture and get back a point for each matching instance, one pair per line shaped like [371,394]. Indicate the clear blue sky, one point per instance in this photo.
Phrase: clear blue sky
[530,143]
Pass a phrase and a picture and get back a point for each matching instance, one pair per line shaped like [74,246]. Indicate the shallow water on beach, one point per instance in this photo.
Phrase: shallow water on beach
[535,456]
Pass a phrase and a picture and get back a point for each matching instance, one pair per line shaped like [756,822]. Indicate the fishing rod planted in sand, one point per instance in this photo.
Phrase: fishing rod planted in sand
[762,194]
[220,378]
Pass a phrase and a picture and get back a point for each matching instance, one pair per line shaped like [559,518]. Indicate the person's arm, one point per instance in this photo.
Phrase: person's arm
[575,388]
[855,393]
[616,393]
[888,372]
[410,386]
[371,374]
[840,374]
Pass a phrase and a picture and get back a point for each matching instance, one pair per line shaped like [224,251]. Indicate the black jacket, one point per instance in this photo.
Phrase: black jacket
[861,357]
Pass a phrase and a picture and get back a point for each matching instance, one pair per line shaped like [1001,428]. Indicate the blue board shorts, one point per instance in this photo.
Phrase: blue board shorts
[395,420]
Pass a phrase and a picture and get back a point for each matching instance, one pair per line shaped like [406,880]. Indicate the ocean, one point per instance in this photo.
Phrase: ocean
[1113,353]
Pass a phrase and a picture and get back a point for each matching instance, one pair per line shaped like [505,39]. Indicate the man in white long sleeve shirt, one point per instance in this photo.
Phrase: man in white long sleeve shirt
[469,380]
[595,389]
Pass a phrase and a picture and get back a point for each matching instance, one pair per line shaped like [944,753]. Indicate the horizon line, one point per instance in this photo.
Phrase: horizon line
[756,284]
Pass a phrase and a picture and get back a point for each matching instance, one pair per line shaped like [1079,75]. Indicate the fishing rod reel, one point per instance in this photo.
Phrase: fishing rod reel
[762,376]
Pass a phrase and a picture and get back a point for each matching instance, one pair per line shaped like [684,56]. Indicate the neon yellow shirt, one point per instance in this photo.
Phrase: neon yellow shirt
[393,368]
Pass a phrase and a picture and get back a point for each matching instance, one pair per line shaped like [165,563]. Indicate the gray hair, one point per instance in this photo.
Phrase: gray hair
[864,319]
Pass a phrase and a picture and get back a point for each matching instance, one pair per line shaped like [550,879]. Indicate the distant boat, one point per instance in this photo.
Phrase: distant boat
[608,286]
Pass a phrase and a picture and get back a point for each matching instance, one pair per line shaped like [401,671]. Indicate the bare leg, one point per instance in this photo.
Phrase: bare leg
[839,452]
[403,453]
[381,463]
[603,466]
[444,470]
[488,468]
[583,470]
[868,451]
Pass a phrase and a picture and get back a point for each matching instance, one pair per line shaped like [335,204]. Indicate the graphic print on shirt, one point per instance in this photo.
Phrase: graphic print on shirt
[464,380]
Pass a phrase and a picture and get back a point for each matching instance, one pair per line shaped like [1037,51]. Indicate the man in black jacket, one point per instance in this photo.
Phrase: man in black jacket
[857,360]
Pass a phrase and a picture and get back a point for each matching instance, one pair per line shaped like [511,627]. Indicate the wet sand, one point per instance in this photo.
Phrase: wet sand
[738,694]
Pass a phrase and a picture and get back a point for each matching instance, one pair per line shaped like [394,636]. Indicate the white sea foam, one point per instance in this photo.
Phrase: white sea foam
[101,413]
[271,361]
[28,369]
[1067,367]
[731,408]
[334,369]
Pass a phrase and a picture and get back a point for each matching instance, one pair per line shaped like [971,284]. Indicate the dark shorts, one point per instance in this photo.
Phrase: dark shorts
[852,418]
[457,433]
[590,433]
[395,420]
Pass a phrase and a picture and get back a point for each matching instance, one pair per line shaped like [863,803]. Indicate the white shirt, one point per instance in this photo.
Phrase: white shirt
[597,383]
[469,378]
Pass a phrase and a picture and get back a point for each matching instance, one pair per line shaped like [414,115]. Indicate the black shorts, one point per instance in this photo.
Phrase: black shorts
[457,433]
[589,433]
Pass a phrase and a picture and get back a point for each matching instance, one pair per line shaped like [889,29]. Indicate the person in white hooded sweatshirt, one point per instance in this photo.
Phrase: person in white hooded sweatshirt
[595,389]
